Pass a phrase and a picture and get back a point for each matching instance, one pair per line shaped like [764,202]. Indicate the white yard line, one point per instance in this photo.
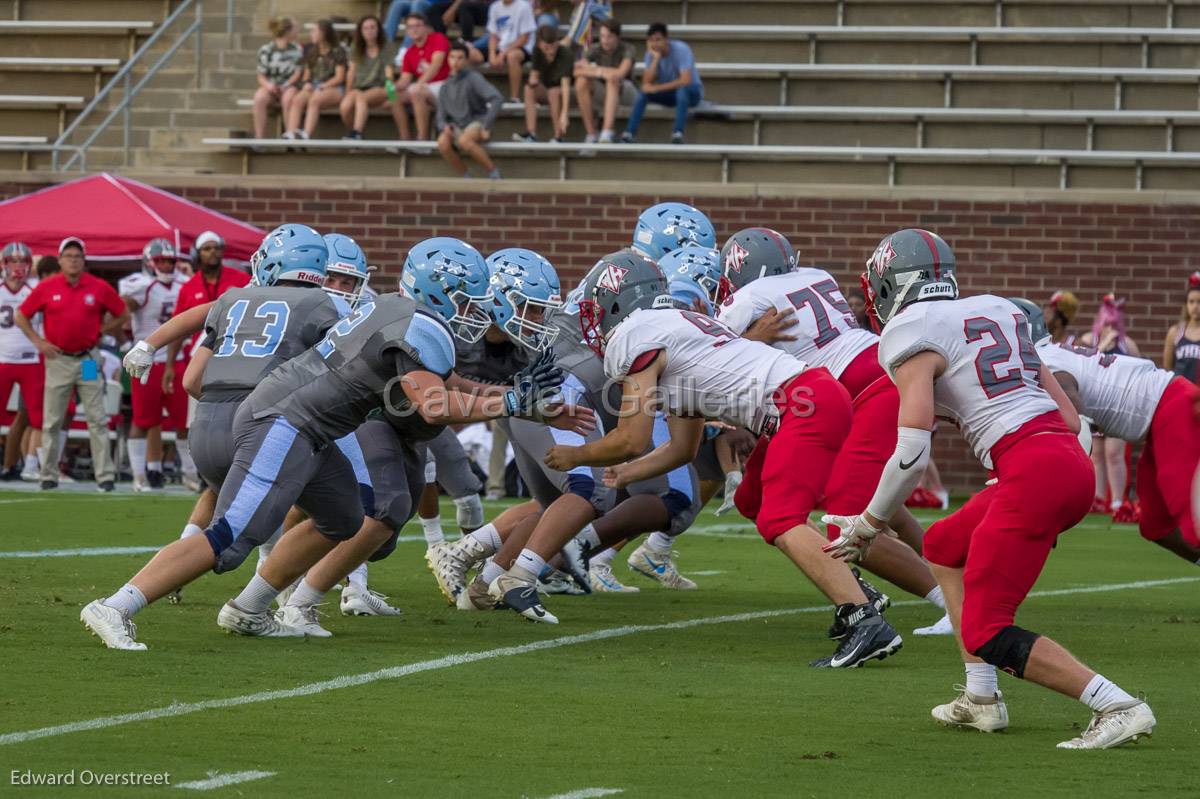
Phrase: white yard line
[221,780]
[83,552]
[408,669]
[587,793]
[707,572]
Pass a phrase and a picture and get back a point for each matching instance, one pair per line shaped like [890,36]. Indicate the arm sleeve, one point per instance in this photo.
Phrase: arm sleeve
[902,473]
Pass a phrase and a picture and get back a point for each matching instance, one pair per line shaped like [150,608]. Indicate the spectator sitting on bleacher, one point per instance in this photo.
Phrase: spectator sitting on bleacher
[510,41]
[279,72]
[670,79]
[398,10]
[370,61]
[423,70]
[323,83]
[549,81]
[581,27]
[467,108]
[467,13]
[605,69]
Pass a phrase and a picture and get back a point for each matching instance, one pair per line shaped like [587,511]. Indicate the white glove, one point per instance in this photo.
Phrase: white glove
[139,360]
[732,481]
[855,538]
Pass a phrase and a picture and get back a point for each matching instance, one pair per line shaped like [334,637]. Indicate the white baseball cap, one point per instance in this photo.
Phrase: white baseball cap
[209,237]
[68,241]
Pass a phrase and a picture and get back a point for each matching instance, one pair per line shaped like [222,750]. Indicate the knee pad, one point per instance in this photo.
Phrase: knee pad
[470,511]
[386,548]
[1008,650]
[681,510]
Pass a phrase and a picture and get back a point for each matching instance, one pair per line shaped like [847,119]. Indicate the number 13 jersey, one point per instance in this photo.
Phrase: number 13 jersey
[990,386]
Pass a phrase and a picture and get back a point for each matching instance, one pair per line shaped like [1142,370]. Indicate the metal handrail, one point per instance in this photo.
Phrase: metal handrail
[123,77]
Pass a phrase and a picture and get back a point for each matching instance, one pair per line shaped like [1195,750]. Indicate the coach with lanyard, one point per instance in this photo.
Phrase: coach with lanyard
[77,308]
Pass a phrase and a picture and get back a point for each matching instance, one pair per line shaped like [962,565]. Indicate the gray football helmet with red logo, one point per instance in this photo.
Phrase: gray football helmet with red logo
[750,254]
[908,266]
[16,259]
[619,284]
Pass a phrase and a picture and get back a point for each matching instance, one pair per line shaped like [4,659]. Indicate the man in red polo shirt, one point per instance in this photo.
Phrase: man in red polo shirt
[210,281]
[76,308]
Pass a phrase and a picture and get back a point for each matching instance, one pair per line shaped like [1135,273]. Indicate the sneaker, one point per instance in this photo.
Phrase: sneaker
[525,138]
[627,138]
[49,485]
[494,495]
[140,483]
[30,473]
[360,602]
[302,134]
[155,479]
[192,483]
[105,487]
[559,582]
[1115,726]
[451,562]
[968,710]
[494,174]
[305,620]
[8,475]
[521,597]
[264,624]
[575,564]
[606,137]
[63,477]
[601,576]
[353,135]
[289,135]
[556,140]
[869,638]
[677,137]
[875,597]
[476,597]
[941,627]
[659,566]
[111,626]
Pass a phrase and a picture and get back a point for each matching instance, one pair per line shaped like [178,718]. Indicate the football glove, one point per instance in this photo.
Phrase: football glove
[855,537]
[732,481]
[139,360]
[531,387]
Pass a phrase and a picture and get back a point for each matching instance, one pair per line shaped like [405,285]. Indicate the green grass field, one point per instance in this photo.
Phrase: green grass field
[695,694]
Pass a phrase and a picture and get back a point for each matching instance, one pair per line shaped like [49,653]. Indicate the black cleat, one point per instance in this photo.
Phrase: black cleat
[877,598]
[154,478]
[869,637]
[49,485]
[105,487]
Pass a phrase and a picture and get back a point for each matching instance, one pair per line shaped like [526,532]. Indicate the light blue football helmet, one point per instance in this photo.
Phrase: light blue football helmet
[290,252]
[666,227]
[701,264]
[688,293]
[346,258]
[525,288]
[450,278]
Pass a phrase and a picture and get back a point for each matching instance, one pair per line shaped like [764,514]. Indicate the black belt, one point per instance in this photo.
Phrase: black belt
[79,354]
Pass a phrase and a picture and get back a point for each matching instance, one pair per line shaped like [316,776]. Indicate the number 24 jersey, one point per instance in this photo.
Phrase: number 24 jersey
[990,386]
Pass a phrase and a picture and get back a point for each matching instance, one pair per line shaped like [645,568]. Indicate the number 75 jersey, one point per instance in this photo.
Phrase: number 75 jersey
[826,332]
[991,385]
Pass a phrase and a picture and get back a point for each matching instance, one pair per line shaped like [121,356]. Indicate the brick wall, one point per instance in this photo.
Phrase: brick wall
[1143,251]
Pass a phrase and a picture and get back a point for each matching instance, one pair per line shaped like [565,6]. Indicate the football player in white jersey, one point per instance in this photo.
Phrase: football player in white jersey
[760,274]
[20,364]
[696,368]
[1132,400]
[150,296]
[972,360]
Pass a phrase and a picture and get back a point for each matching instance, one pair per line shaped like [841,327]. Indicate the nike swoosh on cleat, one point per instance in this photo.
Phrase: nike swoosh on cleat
[906,466]
[657,568]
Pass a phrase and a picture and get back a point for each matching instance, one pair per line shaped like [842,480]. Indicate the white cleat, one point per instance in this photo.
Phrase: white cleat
[1115,726]
[282,599]
[141,484]
[365,602]
[604,581]
[521,597]
[659,566]
[559,582]
[305,620]
[451,562]
[969,710]
[256,625]
[192,483]
[940,627]
[31,474]
[111,626]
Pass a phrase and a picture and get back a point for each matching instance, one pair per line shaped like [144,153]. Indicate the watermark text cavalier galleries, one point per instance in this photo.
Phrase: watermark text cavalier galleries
[86,776]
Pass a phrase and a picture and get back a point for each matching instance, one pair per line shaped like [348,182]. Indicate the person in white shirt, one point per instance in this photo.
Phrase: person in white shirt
[20,363]
[511,26]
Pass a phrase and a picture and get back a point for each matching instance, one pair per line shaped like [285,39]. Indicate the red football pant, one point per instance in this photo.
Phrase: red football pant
[149,401]
[1003,535]
[814,421]
[31,377]
[866,451]
[1168,464]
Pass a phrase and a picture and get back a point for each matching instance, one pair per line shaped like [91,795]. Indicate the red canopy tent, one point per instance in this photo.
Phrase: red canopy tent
[115,217]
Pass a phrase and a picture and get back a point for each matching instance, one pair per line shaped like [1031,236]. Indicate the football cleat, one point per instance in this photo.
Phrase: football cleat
[1100,505]
[175,597]
[257,625]
[305,620]
[521,597]
[559,582]
[451,562]
[940,627]
[575,564]
[111,626]
[1115,726]
[476,597]
[604,581]
[659,566]
[869,638]
[155,478]
[880,600]
[1127,513]
[969,710]
[365,602]
[140,483]
[281,599]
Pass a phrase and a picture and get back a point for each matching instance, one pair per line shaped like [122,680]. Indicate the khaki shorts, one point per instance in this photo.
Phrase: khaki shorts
[629,92]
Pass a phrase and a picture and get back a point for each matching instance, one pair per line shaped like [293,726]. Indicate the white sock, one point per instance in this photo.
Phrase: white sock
[589,536]
[191,530]
[531,562]
[257,596]
[489,536]
[659,542]
[433,530]
[358,577]
[491,570]
[935,596]
[1101,693]
[129,600]
[981,679]
[154,466]
[605,558]
[137,456]
[185,456]
[31,462]
[305,595]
